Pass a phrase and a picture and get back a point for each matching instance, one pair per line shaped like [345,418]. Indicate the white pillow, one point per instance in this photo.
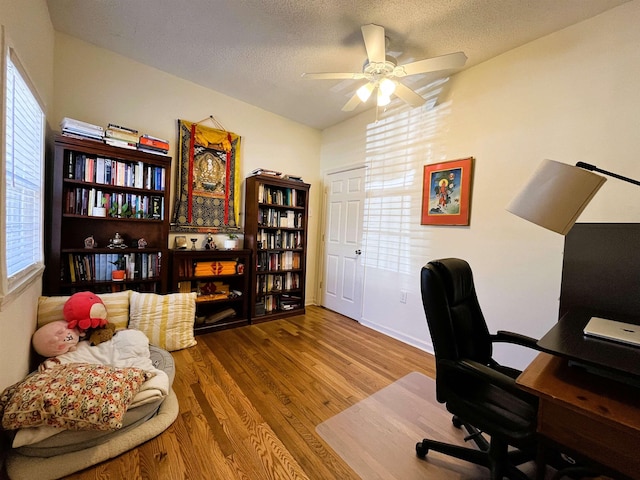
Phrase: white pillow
[166,320]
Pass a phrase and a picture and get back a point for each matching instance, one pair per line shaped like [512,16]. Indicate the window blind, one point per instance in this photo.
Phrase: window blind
[23,167]
[398,145]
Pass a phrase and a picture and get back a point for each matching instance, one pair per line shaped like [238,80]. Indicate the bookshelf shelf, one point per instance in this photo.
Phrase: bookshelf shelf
[276,214]
[85,175]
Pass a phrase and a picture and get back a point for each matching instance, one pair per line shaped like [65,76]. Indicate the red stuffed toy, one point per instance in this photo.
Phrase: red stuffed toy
[85,310]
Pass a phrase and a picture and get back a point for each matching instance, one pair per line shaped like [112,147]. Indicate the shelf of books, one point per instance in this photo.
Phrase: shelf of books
[221,281]
[106,207]
[276,212]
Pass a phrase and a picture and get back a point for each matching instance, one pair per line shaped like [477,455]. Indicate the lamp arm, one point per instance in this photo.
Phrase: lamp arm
[593,168]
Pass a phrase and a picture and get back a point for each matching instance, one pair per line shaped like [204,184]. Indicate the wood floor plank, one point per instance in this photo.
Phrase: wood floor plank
[251,399]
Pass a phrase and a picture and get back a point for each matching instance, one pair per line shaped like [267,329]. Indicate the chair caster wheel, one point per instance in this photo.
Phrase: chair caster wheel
[456,422]
[421,450]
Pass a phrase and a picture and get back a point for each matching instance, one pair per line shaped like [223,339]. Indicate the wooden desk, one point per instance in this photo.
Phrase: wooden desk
[588,414]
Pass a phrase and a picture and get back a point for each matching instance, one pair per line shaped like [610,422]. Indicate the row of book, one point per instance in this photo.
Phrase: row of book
[115,135]
[290,302]
[274,303]
[92,202]
[289,197]
[279,282]
[268,240]
[97,267]
[108,171]
[278,261]
[271,217]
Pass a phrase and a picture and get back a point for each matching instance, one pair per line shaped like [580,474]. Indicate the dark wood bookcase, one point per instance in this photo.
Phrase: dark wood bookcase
[221,280]
[81,173]
[275,230]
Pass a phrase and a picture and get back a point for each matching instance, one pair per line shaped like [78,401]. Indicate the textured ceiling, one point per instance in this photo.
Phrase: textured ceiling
[256,50]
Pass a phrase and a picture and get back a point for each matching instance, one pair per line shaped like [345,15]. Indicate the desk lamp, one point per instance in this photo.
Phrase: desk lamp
[557,194]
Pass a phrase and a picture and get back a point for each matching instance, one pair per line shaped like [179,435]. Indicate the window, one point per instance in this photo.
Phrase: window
[398,145]
[23,180]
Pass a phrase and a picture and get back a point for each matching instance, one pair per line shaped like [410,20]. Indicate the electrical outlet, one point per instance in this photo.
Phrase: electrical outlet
[403,296]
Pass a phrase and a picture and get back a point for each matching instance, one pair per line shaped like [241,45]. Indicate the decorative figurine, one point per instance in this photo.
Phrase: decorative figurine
[193,243]
[142,243]
[89,242]
[117,242]
[209,244]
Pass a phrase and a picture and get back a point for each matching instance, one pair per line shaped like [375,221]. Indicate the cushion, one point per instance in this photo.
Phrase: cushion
[166,320]
[117,304]
[74,396]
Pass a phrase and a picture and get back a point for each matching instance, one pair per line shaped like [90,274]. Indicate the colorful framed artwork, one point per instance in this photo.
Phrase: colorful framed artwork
[446,192]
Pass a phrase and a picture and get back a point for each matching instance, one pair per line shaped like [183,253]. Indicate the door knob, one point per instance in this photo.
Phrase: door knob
[358,252]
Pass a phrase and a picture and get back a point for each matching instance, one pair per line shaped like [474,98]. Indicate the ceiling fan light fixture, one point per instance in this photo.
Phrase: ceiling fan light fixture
[383,100]
[364,92]
[387,87]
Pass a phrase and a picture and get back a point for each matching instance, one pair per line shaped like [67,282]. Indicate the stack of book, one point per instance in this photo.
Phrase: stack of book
[119,136]
[149,144]
[295,178]
[78,129]
[265,171]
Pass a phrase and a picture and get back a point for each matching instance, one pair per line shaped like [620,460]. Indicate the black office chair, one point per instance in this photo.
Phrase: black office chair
[481,394]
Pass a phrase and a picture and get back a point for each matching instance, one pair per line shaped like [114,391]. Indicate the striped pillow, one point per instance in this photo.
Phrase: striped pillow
[117,304]
[166,320]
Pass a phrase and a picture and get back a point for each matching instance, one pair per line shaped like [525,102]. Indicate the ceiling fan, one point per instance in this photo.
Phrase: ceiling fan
[383,72]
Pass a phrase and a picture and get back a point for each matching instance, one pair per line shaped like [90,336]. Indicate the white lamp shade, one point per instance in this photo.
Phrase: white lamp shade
[383,100]
[387,87]
[364,92]
[556,195]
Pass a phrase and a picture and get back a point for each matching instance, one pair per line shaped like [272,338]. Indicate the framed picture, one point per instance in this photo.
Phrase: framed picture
[446,192]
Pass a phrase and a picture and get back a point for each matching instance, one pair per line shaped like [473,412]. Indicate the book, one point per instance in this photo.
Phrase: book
[81,134]
[153,150]
[153,143]
[150,137]
[121,135]
[264,171]
[121,143]
[113,126]
[80,125]
[295,178]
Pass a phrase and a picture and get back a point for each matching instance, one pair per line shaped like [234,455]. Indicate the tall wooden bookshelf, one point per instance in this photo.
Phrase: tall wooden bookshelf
[133,187]
[275,230]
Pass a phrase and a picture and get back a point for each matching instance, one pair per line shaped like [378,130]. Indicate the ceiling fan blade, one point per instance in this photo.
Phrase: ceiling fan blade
[352,103]
[405,93]
[333,76]
[374,42]
[444,62]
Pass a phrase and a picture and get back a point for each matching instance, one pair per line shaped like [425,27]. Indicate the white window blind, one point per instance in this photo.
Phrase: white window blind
[398,145]
[24,147]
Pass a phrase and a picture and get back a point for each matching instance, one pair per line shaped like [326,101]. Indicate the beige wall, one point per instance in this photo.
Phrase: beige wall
[30,33]
[98,86]
[572,96]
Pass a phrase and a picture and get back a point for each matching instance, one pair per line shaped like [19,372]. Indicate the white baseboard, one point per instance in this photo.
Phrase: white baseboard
[413,341]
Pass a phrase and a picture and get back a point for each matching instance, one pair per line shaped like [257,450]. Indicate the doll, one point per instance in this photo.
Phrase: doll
[55,338]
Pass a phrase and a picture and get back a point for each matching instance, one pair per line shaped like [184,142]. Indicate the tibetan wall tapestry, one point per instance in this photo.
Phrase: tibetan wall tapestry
[208,187]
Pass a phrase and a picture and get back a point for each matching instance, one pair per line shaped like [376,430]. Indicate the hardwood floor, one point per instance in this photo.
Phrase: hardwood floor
[251,397]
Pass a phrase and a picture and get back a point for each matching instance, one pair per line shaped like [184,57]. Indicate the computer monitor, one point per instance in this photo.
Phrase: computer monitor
[601,269]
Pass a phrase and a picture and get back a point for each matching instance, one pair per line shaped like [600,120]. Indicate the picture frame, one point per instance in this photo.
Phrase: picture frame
[446,192]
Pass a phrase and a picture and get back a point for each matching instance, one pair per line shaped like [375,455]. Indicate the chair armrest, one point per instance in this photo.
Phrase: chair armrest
[516,338]
[477,371]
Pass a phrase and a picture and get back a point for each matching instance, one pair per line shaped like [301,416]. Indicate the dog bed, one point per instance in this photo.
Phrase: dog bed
[71,451]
